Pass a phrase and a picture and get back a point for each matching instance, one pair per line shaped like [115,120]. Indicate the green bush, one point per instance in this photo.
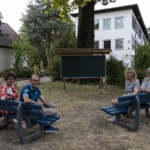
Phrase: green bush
[2,73]
[115,71]
[68,41]
[142,57]
[142,61]
[55,69]
[141,74]
[23,72]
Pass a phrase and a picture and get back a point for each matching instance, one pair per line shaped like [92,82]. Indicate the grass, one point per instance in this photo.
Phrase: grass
[83,126]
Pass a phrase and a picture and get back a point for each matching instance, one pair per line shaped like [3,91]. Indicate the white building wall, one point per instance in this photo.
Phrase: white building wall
[125,33]
[113,34]
[6,58]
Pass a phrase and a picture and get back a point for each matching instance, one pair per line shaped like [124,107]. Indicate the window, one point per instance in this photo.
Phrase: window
[136,44]
[106,24]
[107,44]
[139,33]
[119,43]
[96,44]
[133,23]
[137,30]
[96,24]
[119,22]
[133,43]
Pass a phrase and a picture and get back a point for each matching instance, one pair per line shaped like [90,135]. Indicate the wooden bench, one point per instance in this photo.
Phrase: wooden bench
[126,106]
[32,114]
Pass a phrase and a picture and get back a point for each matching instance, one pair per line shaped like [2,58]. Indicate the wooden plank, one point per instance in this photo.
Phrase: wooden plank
[81,51]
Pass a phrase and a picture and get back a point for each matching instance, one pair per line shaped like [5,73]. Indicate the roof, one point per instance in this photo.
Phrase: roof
[9,35]
[135,9]
[81,51]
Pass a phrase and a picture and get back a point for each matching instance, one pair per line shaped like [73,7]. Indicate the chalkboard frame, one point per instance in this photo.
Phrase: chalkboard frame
[71,58]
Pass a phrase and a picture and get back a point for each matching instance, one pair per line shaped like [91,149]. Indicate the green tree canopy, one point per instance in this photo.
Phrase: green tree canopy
[85,35]
[65,6]
[142,57]
[43,28]
[24,52]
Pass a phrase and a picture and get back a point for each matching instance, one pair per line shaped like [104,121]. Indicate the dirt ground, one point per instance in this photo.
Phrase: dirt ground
[83,126]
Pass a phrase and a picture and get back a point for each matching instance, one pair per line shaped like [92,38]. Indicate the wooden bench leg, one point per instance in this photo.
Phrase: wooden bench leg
[134,126]
[21,131]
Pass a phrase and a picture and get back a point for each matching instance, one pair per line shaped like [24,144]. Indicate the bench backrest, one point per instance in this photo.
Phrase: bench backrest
[10,105]
[144,97]
[34,110]
[126,98]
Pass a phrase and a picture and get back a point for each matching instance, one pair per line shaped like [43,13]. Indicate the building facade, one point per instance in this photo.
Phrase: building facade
[121,29]
[6,52]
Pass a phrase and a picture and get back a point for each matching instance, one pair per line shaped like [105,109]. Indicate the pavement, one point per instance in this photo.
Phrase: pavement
[22,83]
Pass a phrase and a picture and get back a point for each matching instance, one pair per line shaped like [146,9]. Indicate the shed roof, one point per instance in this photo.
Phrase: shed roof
[9,35]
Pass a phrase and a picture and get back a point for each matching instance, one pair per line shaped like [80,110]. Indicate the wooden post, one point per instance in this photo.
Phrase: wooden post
[101,84]
[64,83]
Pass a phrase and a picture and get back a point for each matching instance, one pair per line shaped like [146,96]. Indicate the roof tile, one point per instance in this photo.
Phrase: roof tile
[9,35]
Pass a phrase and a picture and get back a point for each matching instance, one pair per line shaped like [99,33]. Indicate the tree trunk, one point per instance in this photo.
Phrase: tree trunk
[39,53]
[85,37]
[48,54]
[28,58]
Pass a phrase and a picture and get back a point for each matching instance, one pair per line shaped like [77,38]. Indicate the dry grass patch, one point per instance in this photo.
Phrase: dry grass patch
[83,126]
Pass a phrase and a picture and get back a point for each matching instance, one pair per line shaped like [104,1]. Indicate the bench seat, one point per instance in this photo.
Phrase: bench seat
[32,114]
[127,105]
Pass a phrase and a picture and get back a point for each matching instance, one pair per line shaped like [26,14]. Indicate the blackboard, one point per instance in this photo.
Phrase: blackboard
[89,66]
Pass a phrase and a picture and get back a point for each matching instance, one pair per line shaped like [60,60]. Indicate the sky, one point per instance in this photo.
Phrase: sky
[12,10]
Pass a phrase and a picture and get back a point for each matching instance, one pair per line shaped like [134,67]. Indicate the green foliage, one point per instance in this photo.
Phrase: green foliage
[22,72]
[141,74]
[115,71]
[2,73]
[24,52]
[40,71]
[40,55]
[55,70]
[142,57]
[68,41]
[35,69]
[142,60]
[66,6]
[42,28]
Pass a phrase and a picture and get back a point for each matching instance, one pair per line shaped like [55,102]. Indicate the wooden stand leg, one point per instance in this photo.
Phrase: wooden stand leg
[64,83]
[78,81]
[101,84]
